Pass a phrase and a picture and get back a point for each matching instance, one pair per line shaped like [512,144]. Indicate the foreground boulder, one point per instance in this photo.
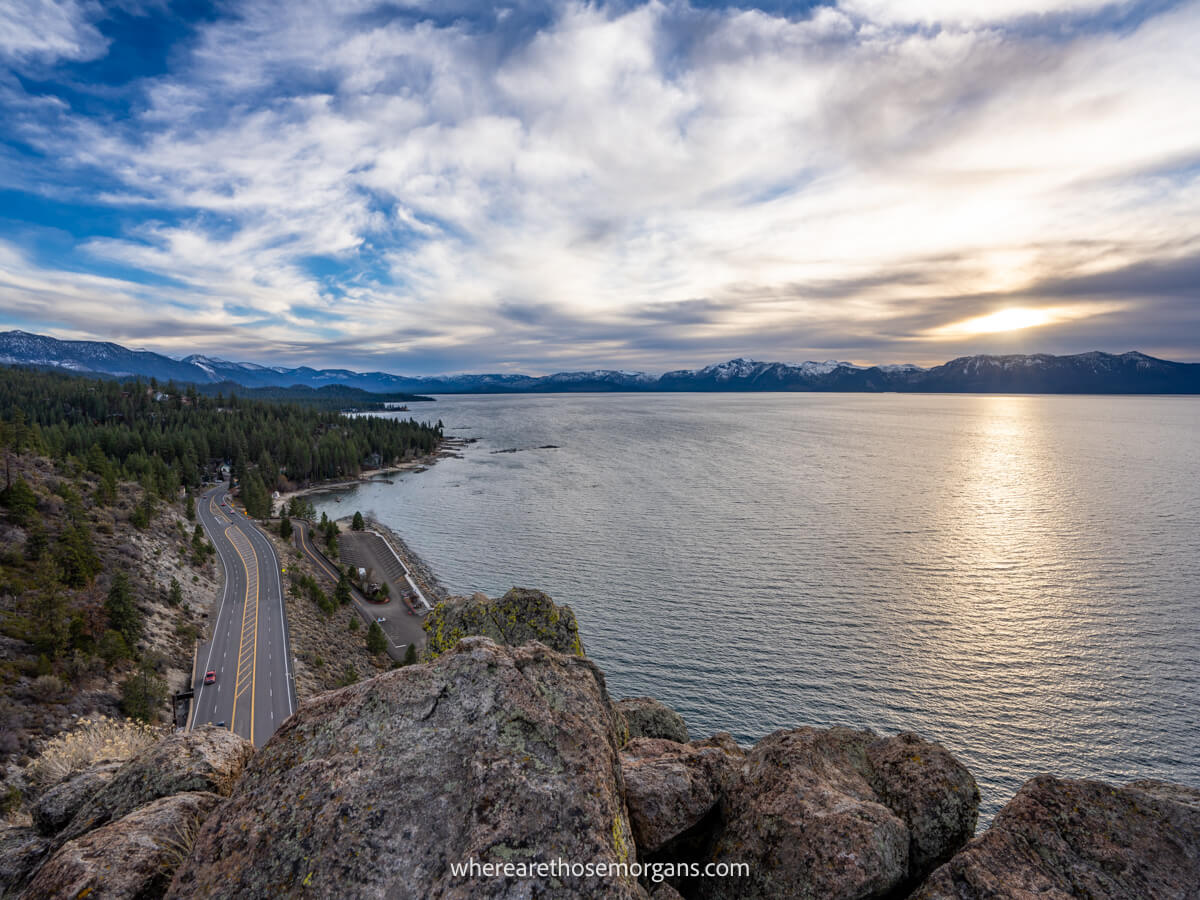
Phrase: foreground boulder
[54,810]
[647,718]
[1060,838]
[22,850]
[671,789]
[132,857]
[840,814]
[519,617]
[493,754]
[208,759]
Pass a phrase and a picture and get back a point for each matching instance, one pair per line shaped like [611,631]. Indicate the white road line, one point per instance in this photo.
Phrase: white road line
[220,609]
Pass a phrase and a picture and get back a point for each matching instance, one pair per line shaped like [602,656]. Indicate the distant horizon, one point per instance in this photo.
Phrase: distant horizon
[659,372]
[542,374]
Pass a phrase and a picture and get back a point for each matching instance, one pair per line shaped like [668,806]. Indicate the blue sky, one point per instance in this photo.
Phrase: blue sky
[432,187]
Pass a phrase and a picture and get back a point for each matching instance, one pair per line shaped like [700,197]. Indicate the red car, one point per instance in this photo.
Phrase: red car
[210,677]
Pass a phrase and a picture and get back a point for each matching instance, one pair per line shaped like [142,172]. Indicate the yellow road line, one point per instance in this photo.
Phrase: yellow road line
[216,512]
[249,631]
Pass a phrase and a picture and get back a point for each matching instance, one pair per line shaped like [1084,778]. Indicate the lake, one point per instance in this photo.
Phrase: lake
[1015,577]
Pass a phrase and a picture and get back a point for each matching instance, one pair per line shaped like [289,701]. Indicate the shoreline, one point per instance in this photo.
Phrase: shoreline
[421,571]
[447,449]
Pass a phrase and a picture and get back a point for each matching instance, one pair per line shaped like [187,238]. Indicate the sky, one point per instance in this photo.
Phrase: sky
[428,187]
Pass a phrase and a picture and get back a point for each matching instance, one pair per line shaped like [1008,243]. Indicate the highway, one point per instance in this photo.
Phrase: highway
[254,688]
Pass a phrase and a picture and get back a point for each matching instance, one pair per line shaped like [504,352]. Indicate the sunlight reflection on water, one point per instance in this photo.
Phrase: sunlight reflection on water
[1016,577]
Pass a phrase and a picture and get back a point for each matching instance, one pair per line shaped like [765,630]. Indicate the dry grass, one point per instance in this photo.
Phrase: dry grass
[177,846]
[95,741]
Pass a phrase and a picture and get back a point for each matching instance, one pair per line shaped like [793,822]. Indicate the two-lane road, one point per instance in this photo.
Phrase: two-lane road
[253,691]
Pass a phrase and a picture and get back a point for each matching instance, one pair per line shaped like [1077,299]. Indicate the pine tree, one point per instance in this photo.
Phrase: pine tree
[123,613]
[143,695]
[21,502]
[376,640]
[357,524]
[342,592]
[76,555]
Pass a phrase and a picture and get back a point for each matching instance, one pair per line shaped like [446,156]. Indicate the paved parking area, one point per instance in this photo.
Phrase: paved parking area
[361,549]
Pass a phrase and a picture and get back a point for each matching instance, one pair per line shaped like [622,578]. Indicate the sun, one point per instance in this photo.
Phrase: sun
[1013,319]
[1009,320]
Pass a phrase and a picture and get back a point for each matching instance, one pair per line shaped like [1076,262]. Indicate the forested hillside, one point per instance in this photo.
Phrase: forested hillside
[166,439]
[105,575]
[104,589]
[331,397]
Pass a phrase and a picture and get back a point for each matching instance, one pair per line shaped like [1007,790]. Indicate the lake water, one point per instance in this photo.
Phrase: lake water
[1015,577]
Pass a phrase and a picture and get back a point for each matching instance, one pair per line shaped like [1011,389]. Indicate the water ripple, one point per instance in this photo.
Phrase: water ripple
[1016,577]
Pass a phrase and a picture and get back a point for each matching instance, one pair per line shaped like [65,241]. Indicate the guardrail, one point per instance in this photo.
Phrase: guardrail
[407,574]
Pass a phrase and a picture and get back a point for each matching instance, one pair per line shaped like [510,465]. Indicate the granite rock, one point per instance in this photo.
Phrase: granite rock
[490,753]
[648,718]
[1062,838]
[22,850]
[131,857]
[54,809]
[519,617]
[838,813]
[206,759]
[671,788]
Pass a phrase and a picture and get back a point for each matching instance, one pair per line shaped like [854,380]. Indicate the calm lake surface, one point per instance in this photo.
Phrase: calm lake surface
[1015,577]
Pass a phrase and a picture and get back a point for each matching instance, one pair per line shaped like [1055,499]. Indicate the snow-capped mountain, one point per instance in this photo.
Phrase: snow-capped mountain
[1094,372]
[751,375]
[1083,373]
[22,348]
[596,380]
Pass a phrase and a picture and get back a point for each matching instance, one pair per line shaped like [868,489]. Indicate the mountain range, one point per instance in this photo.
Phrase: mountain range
[1082,373]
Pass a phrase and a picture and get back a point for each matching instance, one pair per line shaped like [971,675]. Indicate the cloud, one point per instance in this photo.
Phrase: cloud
[956,13]
[43,31]
[642,185]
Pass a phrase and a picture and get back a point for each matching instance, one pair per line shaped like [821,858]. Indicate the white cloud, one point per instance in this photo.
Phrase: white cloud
[963,14]
[662,155]
[47,30]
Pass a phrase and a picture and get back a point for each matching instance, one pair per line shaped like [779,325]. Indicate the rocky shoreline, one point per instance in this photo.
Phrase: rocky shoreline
[421,571]
[447,448]
[503,747]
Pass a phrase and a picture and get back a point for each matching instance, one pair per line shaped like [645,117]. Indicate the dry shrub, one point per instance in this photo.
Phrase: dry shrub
[47,688]
[177,846]
[93,742]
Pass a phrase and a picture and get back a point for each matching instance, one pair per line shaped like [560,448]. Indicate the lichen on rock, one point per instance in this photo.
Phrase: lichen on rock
[1065,838]
[519,617]
[490,753]
[648,718]
[206,759]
